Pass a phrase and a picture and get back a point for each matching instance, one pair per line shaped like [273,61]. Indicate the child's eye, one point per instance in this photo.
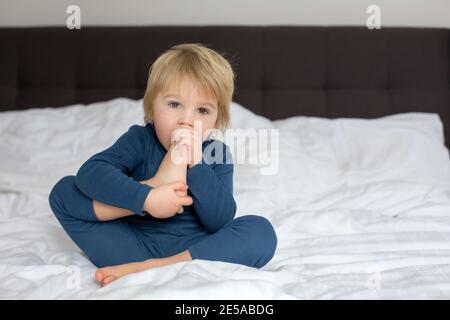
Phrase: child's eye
[171,103]
[205,111]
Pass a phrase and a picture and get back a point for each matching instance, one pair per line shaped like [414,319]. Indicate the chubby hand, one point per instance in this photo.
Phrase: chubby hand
[164,201]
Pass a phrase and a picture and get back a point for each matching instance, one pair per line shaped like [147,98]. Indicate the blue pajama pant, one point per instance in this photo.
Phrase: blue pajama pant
[248,240]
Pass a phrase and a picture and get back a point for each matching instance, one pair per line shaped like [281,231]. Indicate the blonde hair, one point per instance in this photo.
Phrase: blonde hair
[206,68]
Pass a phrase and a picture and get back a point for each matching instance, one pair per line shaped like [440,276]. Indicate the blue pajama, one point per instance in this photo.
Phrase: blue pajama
[207,228]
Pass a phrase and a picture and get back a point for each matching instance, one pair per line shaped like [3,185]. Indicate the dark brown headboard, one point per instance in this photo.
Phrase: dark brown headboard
[281,71]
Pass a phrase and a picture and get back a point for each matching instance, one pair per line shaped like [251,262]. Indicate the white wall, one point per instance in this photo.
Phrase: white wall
[417,13]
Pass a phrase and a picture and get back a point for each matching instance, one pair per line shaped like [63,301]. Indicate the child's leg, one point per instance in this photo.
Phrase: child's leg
[106,243]
[170,171]
[249,240]
[108,274]
[105,212]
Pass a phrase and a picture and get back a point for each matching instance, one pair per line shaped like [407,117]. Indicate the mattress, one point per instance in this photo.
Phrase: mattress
[361,208]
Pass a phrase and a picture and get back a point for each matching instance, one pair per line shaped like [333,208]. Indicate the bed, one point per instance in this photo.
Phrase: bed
[361,197]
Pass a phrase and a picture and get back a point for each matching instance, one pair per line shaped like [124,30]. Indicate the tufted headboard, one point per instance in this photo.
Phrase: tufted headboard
[281,70]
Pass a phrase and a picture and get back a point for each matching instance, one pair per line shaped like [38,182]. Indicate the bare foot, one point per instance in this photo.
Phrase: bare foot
[108,274]
[170,171]
[171,168]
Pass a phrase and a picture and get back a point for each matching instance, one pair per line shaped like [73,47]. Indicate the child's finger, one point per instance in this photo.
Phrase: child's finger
[186,201]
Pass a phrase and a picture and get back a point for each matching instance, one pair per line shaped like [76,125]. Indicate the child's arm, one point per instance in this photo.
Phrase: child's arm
[103,177]
[162,203]
[211,186]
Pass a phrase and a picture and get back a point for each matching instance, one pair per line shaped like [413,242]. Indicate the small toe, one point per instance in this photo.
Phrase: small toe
[108,279]
[99,275]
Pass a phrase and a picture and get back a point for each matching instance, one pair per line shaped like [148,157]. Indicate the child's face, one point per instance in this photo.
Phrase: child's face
[179,106]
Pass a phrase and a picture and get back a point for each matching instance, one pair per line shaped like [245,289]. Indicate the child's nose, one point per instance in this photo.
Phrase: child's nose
[187,119]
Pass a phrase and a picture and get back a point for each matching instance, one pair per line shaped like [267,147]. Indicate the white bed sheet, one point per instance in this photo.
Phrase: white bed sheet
[354,220]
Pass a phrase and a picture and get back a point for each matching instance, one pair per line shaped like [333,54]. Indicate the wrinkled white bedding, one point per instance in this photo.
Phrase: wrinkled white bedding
[361,209]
